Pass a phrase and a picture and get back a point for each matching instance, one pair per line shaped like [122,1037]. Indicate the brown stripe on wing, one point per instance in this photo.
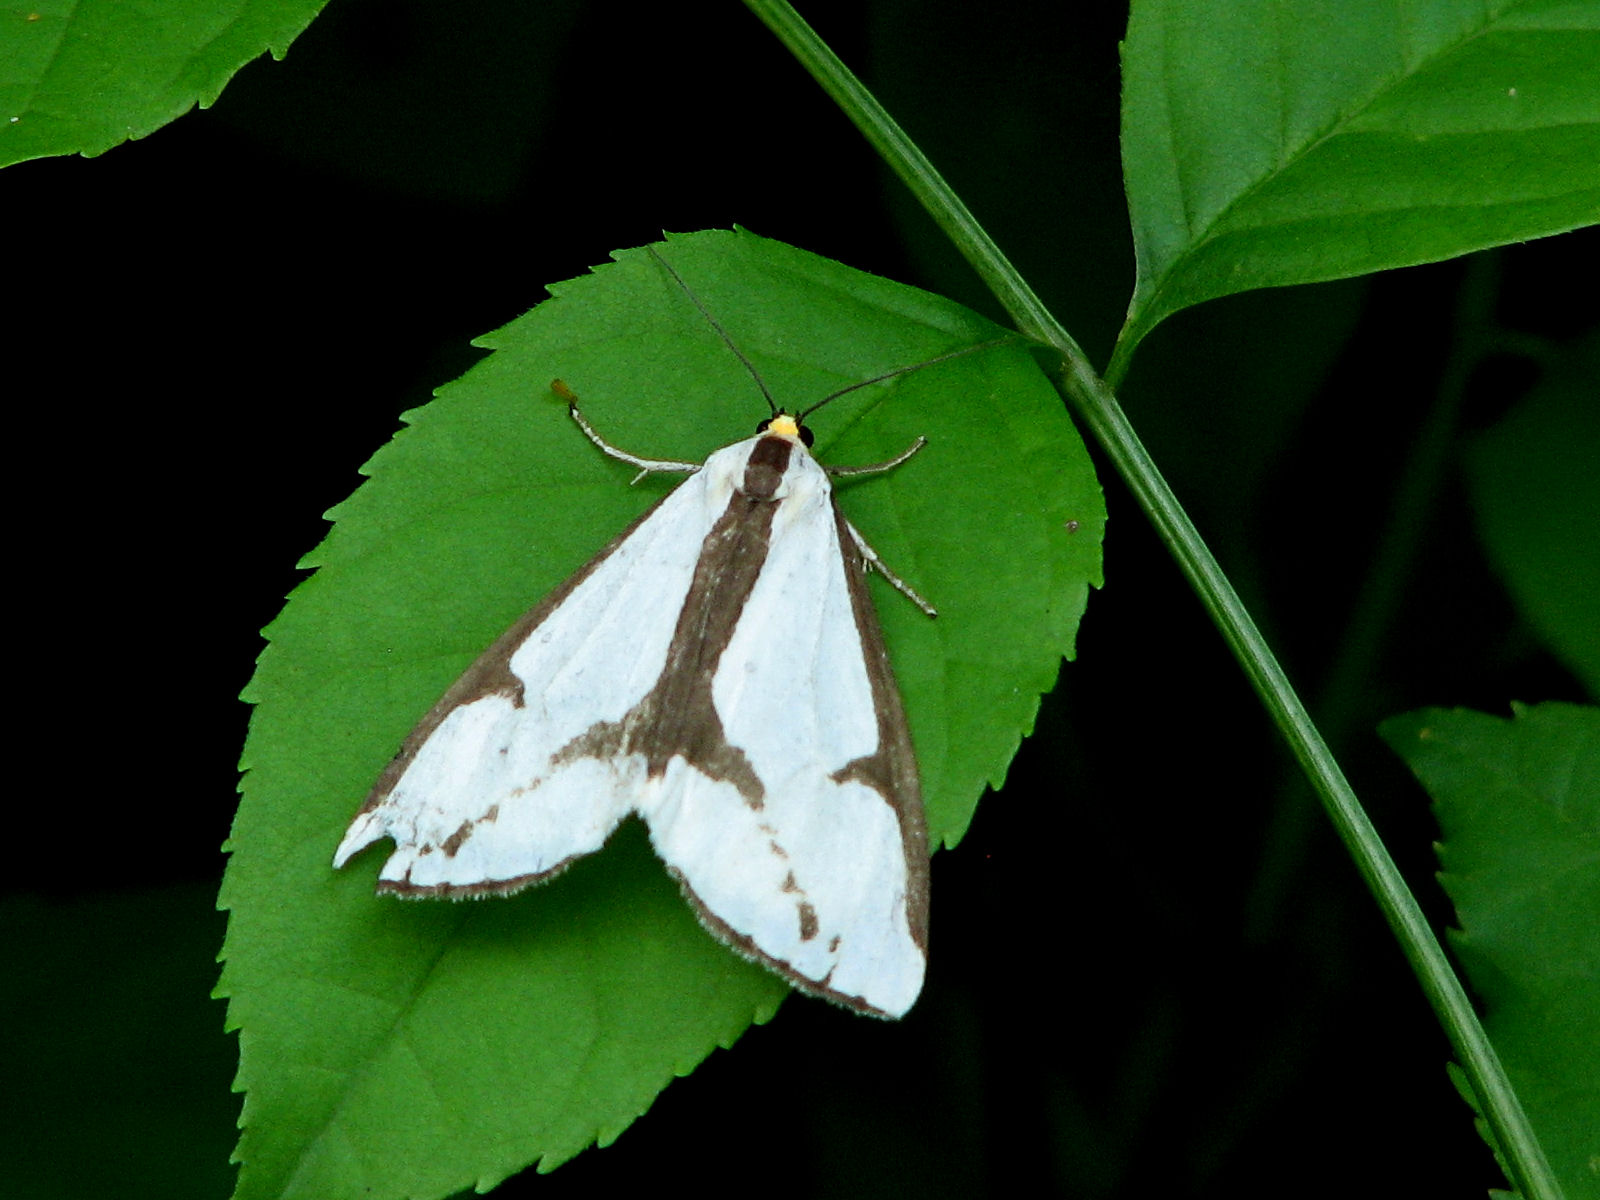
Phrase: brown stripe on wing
[677,717]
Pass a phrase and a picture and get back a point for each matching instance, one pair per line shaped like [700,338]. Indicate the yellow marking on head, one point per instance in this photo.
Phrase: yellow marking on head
[784,425]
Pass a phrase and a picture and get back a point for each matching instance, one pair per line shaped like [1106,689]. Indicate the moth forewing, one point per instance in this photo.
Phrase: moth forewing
[452,733]
[822,873]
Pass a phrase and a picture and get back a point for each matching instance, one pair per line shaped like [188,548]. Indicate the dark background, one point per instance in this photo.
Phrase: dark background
[1155,972]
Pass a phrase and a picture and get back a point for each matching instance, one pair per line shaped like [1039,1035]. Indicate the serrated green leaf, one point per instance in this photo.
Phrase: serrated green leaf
[1273,142]
[411,1049]
[1518,804]
[82,76]
[1537,494]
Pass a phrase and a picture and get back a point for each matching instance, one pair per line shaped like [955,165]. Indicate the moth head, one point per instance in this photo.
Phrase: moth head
[787,425]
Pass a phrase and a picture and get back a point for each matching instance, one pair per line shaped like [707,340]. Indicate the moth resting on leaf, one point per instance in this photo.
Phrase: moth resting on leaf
[717,669]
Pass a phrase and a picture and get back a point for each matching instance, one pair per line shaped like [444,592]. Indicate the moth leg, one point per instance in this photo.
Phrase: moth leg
[878,468]
[870,559]
[646,466]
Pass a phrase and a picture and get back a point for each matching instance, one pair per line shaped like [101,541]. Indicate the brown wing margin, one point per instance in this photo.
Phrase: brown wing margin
[891,770]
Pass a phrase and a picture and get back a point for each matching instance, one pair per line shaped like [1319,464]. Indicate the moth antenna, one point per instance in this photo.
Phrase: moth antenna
[999,341]
[715,324]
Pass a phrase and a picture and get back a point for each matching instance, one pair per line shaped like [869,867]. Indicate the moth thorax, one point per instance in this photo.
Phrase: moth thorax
[765,468]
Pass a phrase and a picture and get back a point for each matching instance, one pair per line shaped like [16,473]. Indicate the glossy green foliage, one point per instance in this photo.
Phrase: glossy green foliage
[412,1049]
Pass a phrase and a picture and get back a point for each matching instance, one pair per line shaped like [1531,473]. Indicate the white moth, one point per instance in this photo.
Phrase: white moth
[718,670]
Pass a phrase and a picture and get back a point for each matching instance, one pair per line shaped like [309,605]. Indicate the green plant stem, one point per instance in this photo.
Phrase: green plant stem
[1095,403]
